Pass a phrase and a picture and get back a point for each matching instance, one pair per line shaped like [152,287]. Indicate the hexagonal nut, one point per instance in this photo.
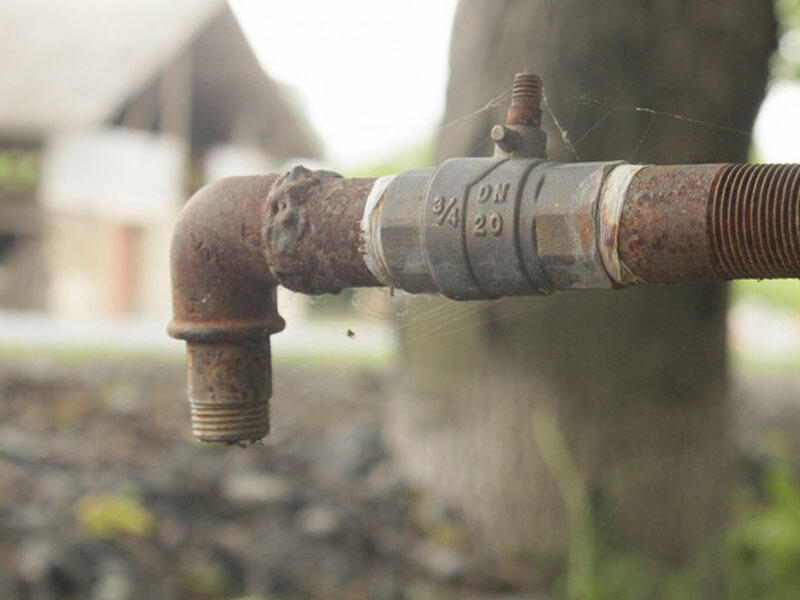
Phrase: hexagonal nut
[400,231]
[566,227]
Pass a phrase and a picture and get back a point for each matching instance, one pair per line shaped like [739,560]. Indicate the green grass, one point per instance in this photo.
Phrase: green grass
[78,355]
[10,354]
[757,557]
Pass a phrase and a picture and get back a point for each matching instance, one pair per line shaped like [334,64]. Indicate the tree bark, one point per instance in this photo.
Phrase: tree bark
[636,379]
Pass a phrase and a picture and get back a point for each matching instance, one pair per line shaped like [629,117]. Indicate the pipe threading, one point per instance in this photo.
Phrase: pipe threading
[215,422]
[526,100]
[527,88]
[753,221]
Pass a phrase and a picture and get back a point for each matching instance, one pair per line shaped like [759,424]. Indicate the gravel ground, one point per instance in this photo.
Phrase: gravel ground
[104,495]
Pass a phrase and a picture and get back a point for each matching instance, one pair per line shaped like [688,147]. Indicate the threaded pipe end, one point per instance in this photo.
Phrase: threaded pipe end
[230,384]
[526,100]
[230,423]
[526,88]
[753,221]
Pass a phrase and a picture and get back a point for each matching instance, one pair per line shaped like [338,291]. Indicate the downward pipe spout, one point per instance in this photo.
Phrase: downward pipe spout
[224,306]
[235,241]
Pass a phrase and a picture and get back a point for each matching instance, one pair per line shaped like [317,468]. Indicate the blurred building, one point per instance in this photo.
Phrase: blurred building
[111,113]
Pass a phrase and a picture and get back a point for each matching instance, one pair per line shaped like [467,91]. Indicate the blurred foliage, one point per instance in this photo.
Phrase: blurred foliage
[209,581]
[759,557]
[783,293]
[787,61]
[789,12]
[764,544]
[19,172]
[113,515]
[619,576]
[413,157]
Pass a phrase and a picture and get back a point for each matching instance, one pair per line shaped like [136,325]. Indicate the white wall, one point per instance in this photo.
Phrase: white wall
[123,175]
[111,197]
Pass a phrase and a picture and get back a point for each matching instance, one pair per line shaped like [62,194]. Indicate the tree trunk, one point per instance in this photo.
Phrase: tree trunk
[635,381]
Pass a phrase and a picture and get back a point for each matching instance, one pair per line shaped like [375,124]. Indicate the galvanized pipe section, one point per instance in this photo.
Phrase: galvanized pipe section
[711,223]
[485,228]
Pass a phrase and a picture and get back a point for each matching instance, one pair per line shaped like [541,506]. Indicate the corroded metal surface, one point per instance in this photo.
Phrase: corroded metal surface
[236,240]
[685,223]
[229,389]
[662,231]
[521,137]
[609,210]
[224,306]
[473,228]
[486,228]
[526,99]
[219,267]
[754,221]
[313,231]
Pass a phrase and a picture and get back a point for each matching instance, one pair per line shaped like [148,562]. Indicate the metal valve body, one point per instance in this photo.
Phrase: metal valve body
[484,228]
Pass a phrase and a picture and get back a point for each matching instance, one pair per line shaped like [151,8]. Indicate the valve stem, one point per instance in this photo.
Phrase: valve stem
[521,136]
[526,101]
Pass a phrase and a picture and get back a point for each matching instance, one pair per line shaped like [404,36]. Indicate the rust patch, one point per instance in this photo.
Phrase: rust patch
[224,306]
[229,390]
[662,231]
[712,222]
[526,99]
[220,276]
[312,231]
[235,241]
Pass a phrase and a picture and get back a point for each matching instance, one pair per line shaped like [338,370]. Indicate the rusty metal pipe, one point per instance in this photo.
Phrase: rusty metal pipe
[235,241]
[312,231]
[473,228]
[224,306]
[711,223]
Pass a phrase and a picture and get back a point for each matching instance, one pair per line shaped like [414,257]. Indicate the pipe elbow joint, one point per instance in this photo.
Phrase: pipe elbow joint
[225,308]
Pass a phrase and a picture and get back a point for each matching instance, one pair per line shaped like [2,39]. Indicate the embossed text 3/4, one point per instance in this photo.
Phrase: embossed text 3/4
[446,211]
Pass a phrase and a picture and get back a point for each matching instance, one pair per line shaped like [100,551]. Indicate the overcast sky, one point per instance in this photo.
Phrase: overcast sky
[371,75]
